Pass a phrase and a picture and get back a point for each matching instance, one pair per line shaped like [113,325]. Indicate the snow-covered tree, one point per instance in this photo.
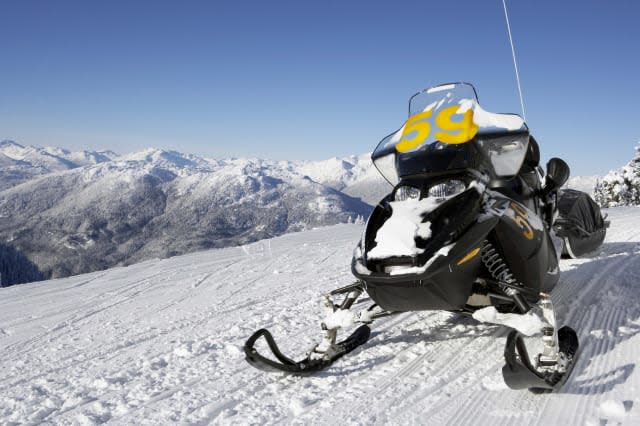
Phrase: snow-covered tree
[620,187]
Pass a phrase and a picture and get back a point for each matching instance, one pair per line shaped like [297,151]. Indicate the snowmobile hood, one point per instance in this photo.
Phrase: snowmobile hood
[446,131]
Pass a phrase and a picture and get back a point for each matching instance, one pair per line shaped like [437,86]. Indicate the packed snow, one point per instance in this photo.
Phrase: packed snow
[489,121]
[160,342]
[529,324]
[397,236]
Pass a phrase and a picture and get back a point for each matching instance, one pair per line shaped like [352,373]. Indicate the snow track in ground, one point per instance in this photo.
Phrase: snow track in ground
[160,342]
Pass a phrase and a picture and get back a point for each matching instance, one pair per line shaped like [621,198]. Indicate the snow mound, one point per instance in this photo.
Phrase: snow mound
[528,324]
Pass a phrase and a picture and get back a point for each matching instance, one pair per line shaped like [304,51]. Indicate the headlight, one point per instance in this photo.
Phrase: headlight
[404,193]
[447,189]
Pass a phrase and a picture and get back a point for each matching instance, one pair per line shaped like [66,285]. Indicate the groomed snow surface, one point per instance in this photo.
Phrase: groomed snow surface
[160,342]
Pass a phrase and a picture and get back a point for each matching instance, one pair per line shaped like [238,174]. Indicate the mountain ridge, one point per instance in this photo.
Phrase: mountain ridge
[161,203]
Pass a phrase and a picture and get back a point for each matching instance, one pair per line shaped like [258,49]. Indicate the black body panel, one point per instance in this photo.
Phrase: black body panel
[438,158]
[443,279]
[526,247]
[444,284]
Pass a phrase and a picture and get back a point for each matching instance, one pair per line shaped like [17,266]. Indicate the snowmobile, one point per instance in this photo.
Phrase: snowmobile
[469,225]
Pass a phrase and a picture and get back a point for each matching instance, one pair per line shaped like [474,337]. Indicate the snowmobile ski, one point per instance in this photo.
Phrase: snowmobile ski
[328,350]
[520,373]
[552,367]
[308,365]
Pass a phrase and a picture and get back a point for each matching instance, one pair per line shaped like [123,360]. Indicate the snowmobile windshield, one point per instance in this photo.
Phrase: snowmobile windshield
[447,130]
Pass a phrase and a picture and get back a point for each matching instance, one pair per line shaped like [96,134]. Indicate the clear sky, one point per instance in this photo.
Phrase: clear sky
[311,80]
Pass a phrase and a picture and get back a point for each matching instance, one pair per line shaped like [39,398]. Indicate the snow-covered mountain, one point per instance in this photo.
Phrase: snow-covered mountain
[160,342]
[19,163]
[354,175]
[158,203]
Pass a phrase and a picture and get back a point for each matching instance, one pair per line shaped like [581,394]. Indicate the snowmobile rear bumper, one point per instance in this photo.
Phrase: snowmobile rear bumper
[577,243]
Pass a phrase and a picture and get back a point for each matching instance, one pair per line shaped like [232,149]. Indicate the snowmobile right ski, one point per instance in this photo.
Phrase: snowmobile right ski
[552,367]
[520,373]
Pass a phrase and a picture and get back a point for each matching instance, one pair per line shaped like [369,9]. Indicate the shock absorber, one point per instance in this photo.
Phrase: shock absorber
[499,270]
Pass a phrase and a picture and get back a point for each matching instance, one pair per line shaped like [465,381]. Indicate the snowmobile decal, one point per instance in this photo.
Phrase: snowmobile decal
[465,129]
[455,132]
[419,127]
[520,217]
[469,256]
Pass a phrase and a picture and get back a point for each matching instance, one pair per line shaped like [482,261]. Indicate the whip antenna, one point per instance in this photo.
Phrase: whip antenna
[515,63]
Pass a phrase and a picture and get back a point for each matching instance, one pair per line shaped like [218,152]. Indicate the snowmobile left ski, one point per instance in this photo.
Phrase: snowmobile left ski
[468,225]
[328,350]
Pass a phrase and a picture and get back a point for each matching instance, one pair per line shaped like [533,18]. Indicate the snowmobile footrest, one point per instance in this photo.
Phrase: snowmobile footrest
[308,365]
[519,372]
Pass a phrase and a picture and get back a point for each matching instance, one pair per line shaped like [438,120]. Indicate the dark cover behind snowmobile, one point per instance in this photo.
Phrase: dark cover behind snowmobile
[580,223]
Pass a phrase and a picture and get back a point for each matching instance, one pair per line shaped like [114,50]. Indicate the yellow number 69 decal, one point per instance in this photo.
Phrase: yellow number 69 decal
[455,132]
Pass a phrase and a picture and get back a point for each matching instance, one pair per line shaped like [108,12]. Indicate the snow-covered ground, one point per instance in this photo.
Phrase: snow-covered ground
[160,342]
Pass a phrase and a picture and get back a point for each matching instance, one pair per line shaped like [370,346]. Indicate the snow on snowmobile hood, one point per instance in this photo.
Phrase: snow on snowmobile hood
[448,130]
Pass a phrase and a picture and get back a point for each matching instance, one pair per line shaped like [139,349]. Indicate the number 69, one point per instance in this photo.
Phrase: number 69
[417,128]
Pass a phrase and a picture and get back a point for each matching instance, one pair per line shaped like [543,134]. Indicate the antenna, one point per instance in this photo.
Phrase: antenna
[515,63]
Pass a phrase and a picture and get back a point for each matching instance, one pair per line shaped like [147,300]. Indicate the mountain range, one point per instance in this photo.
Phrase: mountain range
[19,163]
[75,212]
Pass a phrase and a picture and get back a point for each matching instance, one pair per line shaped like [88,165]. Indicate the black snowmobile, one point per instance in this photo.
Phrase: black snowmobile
[469,225]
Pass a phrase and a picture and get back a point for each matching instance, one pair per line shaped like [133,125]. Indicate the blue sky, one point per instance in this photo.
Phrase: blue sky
[312,80]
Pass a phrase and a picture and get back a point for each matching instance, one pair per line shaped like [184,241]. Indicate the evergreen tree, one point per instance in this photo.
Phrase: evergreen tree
[620,187]
[16,268]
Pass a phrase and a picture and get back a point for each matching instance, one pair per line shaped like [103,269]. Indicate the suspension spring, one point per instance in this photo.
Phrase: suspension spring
[498,268]
[501,273]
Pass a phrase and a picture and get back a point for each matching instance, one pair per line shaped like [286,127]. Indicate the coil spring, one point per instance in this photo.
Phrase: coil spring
[498,268]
